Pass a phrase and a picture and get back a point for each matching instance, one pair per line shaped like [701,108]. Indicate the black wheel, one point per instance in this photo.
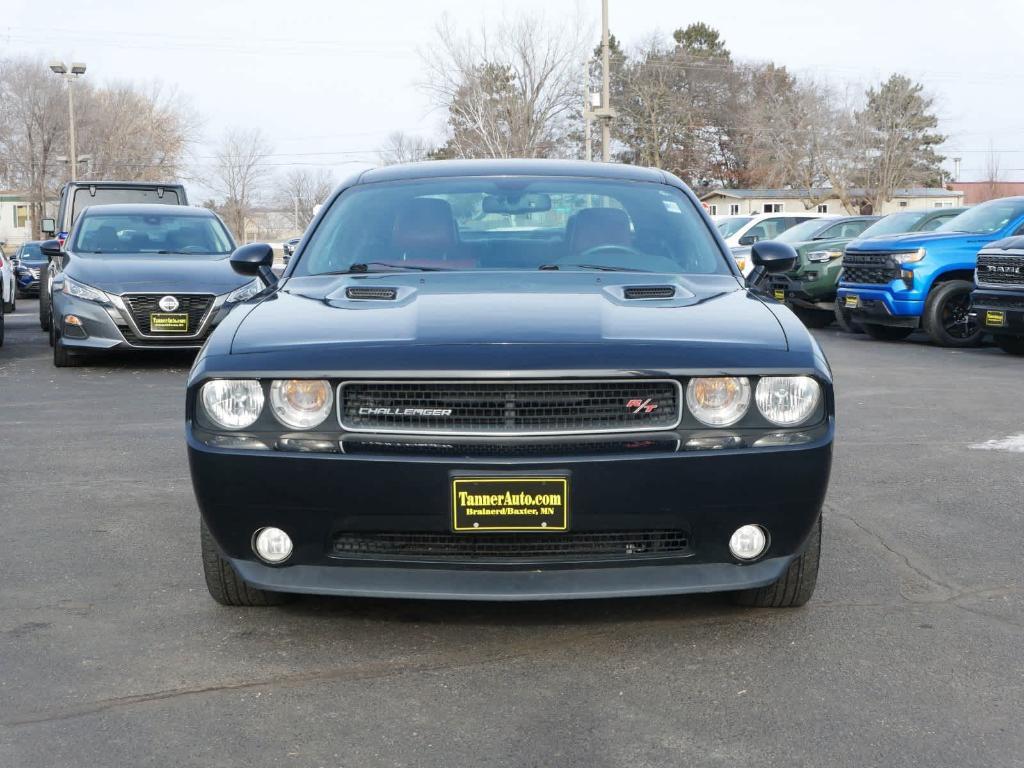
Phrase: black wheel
[796,586]
[224,584]
[13,306]
[44,300]
[845,321]
[1011,345]
[886,332]
[62,356]
[1,325]
[947,316]
[813,318]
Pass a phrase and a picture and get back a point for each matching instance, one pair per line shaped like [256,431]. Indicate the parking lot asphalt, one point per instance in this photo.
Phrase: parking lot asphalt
[910,653]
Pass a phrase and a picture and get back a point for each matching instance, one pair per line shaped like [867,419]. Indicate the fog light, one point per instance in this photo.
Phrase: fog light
[72,320]
[748,542]
[714,442]
[272,545]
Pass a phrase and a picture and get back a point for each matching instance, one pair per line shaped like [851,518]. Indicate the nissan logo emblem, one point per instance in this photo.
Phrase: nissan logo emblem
[168,303]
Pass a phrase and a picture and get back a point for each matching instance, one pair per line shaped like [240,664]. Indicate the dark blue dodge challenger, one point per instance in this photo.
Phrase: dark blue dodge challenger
[510,380]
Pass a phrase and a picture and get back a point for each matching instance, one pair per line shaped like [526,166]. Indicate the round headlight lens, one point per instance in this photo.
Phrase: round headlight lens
[787,400]
[232,403]
[720,401]
[301,403]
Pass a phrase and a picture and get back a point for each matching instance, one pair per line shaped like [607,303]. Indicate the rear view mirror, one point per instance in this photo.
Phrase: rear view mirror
[773,256]
[748,239]
[50,248]
[514,203]
[255,259]
[48,226]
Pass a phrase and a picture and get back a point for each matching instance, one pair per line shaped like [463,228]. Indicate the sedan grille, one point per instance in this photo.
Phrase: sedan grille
[870,268]
[1000,270]
[528,546]
[509,407]
[142,305]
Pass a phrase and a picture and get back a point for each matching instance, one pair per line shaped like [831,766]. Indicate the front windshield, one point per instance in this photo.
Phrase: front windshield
[894,224]
[985,219]
[156,233]
[803,231]
[30,252]
[512,223]
[730,227]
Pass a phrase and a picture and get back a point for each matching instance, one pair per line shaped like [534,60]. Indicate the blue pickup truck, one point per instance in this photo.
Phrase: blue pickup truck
[893,285]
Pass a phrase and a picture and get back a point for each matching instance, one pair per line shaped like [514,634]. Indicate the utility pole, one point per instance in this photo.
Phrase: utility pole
[605,113]
[588,115]
[77,70]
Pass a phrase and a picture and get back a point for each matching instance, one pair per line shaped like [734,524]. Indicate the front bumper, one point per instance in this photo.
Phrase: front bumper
[999,312]
[793,290]
[27,281]
[316,497]
[878,306]
[110,326]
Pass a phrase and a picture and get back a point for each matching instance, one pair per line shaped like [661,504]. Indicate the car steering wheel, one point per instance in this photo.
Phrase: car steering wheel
[609,249]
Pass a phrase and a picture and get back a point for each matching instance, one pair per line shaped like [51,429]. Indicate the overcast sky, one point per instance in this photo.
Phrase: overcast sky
[327,80]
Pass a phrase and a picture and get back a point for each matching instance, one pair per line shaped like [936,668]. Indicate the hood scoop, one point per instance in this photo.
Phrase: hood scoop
[371,293]
[640,292]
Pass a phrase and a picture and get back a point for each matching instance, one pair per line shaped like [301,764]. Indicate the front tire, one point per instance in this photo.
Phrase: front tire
[947,315]
[62,356]
[797,584]
[1011,345]
[886,332]
[1,326]
[845,321]
[814,318]
[225,585]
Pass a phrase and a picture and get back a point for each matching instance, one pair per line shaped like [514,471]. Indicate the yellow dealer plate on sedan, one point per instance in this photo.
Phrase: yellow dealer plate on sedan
[993,318]
[168,322]
[779,295]
[852,302]
[481,504]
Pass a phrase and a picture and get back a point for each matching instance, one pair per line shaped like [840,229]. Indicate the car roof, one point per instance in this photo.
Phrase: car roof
[148,209]
[128,184]
[573,168]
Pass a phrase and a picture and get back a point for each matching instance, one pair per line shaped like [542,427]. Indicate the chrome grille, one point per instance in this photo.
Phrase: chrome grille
[1000,270]
[143,304]
[509,407]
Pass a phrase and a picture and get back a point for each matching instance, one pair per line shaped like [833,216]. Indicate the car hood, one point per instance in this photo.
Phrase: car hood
[911,240]
[507,308]
[125,274]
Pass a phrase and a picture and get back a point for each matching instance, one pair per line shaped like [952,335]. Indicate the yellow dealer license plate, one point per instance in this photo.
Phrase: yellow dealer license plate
[481,504]
[852,302]
[779,294]
[993,318]
[168,322]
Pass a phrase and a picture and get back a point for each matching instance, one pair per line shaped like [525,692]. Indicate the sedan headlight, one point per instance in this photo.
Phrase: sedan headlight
[301,403]
[913,257]
[787,400]
[83,291]
[823,256]
[247,291]
[719,401]
[232,403]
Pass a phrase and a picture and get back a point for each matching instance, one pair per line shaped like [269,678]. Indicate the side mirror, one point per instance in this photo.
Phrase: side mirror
[773,256]
[50,248]
[255,259]
[48,226]
[748,239]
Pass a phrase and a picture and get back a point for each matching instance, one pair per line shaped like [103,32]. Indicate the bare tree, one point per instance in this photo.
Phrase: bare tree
[240,174]
[301,190]
[507,92]
[400,147]
[993,172]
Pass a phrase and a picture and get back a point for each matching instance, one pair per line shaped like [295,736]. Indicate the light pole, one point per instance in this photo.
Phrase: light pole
[77,69]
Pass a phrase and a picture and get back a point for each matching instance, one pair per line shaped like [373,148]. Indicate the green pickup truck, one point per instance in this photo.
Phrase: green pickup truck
[810,288]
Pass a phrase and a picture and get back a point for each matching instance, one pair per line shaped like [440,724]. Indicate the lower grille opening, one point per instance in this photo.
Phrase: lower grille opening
[532,546]
[640,444]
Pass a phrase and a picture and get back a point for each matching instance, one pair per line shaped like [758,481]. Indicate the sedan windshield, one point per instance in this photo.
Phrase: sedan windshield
[512,223]
[151,234]
[985,219]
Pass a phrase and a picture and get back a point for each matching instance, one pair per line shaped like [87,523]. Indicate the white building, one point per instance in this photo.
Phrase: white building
[743,202]
[15,221]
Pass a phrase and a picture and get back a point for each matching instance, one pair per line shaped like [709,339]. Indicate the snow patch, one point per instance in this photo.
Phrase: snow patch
[1013,443]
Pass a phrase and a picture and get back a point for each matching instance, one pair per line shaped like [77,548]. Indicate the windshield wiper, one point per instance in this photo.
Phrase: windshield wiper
[364,267]
[598,267]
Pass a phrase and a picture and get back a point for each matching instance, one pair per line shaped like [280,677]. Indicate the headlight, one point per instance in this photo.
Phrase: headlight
[787,400]
[301,403]
[232,403]
[912,257]
[247,291]
[83,291]
[822,256]
[719,401]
